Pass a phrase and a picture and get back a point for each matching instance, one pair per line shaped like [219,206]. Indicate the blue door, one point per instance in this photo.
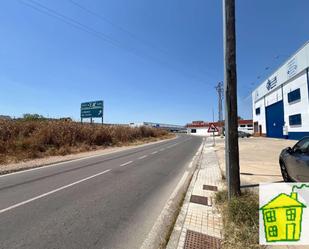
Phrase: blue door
[275,120]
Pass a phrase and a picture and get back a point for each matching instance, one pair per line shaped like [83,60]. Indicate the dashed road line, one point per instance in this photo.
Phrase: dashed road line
[155,152]
[172,145]
[162,149]
[124,164]
[144,156]
[52,192]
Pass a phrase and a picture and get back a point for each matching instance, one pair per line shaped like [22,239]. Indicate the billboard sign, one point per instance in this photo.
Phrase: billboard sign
[93,109]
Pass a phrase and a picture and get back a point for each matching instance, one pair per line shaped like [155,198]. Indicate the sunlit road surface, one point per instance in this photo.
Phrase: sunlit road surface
[109,201]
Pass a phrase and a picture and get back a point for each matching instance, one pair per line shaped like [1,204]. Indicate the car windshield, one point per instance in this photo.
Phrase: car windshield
[302,145]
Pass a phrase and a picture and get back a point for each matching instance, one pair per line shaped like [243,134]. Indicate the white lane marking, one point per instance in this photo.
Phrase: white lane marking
[51,192]
[162,149]
[172,145]
[155,152]
[124,164]
[142,157]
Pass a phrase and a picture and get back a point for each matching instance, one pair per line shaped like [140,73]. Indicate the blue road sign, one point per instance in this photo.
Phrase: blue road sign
[93,109]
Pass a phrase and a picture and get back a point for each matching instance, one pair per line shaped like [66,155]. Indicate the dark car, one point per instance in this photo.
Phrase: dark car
[243,134]
[294,162]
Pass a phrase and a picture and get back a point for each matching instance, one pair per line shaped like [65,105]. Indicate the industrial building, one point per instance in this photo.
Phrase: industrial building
[281,102]
[169,127]
[200,128]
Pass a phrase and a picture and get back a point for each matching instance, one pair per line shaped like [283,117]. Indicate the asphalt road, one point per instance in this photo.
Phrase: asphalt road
[109,201]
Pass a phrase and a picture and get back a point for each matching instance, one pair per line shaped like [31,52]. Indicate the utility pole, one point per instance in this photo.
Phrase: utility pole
[220,91]
[213,133]
[230,100]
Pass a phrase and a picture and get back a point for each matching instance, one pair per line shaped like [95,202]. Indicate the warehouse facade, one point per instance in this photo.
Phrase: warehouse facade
[200,128]
[281,103]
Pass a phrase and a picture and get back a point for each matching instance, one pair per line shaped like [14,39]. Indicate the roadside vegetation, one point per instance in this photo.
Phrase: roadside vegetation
[38,137]
[240,220]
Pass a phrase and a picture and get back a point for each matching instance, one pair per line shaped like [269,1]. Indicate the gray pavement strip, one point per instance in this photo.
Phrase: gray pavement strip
[159,235]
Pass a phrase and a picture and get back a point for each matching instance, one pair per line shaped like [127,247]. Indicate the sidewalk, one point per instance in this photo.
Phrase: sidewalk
[259,163]
[259,159]
[199,223]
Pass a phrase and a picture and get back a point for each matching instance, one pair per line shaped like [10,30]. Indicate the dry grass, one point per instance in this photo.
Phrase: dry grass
[28,139]
[240,220]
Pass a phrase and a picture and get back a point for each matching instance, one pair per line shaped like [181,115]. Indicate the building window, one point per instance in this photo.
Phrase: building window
[258,111]
[242,125]
[295,119]
[193,130]
[270,216]
[273,231]
[250,125]
[294,95]
[290,214]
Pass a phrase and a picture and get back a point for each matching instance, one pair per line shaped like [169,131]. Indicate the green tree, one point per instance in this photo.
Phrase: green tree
[30,116]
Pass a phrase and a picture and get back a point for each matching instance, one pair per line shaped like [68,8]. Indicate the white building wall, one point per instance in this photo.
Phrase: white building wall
[245,128]
[273,97]
[261,119]
[301,106]
[290,76]
[200,131]
[296,64]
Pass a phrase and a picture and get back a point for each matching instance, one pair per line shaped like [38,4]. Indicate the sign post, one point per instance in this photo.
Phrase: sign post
[93,109]
[212,129]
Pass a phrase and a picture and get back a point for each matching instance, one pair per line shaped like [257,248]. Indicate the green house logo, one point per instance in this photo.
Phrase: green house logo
[282,218]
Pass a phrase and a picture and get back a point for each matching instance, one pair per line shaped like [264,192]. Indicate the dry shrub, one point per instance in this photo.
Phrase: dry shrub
[25,139]
[240,220]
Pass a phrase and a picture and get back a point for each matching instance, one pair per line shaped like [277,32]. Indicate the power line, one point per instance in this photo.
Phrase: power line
[70,21]
[263,75]
[103,18]
[119,27]
[78,25]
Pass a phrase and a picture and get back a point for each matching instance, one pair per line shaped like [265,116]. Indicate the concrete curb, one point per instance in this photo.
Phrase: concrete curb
[159,234]
[177,238]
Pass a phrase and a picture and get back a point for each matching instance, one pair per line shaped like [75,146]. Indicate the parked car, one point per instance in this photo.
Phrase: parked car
[294,162]
[243,134]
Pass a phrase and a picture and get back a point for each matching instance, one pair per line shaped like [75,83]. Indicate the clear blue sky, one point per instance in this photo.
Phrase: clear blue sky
[160,63]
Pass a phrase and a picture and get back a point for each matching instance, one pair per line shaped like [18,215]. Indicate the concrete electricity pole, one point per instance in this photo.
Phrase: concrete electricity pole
[230,92]
[220,91]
